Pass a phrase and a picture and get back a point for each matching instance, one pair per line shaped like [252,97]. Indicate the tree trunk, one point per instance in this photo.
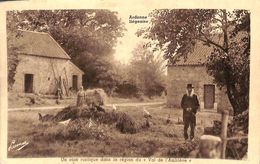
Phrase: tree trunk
[233,93]
[238,100]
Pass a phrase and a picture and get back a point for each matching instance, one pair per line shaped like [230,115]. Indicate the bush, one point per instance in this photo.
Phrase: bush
[126,124]
[77,127]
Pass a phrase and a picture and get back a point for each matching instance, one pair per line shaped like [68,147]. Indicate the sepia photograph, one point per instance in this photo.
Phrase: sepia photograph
[167,83]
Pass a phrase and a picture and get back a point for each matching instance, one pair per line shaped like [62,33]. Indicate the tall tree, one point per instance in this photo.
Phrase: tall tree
[147,71]
[125,87]
[88,36]
[177,32]
[12,58]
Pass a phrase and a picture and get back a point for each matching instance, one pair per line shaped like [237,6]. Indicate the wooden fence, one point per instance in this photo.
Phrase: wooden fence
[224,130]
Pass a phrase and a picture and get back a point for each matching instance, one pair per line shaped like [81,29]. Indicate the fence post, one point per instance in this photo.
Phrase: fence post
[224,129]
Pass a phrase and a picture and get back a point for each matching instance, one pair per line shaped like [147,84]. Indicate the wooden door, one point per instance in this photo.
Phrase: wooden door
[75,82]
[28,83]
[209,96]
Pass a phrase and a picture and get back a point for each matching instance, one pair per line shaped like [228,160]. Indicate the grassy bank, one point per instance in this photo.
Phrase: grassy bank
[155,141]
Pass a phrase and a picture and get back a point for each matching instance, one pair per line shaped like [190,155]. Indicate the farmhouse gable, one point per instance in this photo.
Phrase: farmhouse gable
[44,66]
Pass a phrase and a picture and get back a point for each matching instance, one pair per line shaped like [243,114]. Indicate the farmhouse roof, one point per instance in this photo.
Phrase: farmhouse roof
[39,44]
[200,52]
[77,68]
[197,57]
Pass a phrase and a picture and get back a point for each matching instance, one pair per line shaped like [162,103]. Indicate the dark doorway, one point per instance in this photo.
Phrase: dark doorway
[75,82]
[28,83]
[209,96]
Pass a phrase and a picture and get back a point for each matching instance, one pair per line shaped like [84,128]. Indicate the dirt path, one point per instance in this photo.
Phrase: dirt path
[109,105]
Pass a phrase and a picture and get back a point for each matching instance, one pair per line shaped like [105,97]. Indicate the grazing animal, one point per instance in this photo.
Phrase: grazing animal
[180,121]
[66,122]
[114,108]
[46,117]
[146,113]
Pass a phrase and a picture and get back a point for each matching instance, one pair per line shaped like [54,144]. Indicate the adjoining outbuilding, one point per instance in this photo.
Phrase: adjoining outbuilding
[44,66]
[193,70]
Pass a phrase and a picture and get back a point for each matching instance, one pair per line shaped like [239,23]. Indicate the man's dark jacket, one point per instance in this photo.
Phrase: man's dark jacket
[189,102]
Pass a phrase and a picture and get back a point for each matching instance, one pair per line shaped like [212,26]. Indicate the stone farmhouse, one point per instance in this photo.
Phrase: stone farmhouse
[44,66]
[192,70]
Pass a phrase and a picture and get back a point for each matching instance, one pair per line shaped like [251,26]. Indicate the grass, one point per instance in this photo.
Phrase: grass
[155,141]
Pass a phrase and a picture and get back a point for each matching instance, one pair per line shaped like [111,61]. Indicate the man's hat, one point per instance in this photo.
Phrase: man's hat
[189,86]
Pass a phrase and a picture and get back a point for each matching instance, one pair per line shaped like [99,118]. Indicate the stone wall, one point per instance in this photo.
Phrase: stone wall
[180,76]
[45,71]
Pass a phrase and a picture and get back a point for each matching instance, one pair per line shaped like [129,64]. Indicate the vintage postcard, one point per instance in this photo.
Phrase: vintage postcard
[129,82]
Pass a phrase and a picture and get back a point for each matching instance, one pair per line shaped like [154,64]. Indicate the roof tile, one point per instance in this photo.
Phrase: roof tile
[40,44]
[197,57]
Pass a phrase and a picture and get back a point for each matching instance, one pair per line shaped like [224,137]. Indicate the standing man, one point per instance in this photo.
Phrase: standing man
[190,105]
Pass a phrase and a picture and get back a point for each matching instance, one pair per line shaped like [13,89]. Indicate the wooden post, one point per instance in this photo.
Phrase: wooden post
[224,129]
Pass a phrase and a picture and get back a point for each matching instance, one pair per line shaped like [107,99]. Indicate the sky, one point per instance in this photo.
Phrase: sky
[129,41]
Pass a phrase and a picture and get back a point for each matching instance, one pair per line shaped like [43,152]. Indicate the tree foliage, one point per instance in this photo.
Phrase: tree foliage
[12,58]
[125,87]
[146,71]
[88,36]
[228,32]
